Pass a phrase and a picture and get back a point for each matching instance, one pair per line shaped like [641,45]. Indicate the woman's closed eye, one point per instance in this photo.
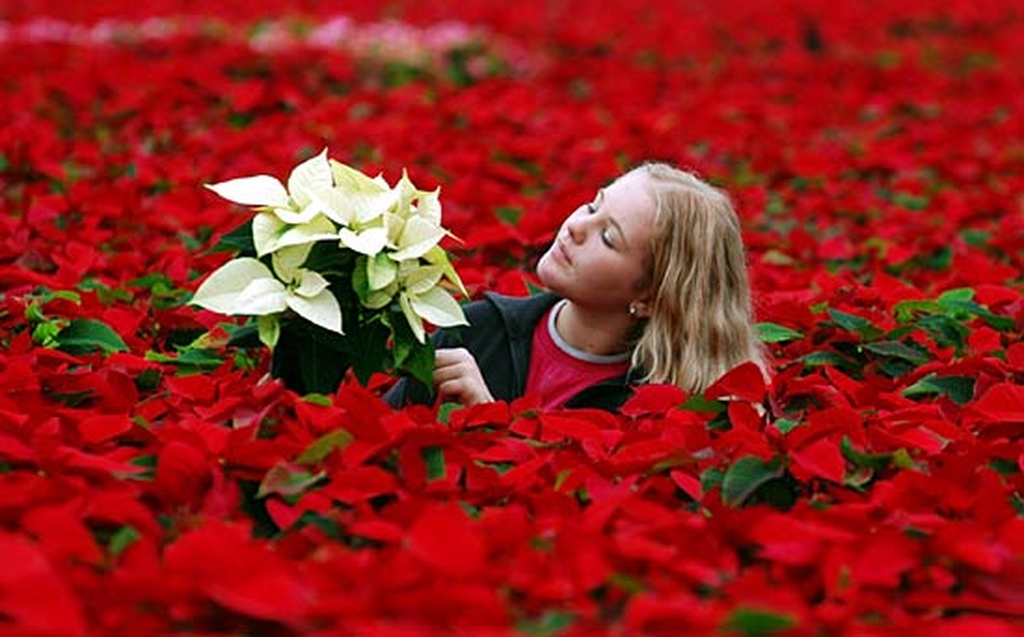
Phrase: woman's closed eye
[606,230]
[606,237]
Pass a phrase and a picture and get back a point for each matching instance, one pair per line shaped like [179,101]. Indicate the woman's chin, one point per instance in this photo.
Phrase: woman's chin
[547,272]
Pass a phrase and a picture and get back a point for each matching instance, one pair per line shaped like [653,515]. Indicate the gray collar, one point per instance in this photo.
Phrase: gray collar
[601,359]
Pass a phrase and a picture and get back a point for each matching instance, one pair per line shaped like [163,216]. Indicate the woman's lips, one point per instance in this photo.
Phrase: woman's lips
[561,254]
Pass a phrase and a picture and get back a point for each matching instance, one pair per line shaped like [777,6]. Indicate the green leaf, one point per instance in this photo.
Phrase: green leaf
[753,622]
[700,404]
[955,296]
[560,479]
[361,278]
[941,259]
[313,398]
[944,317]
[269,328]
[873,461]
[946,330]
[1005,466]
[959,389]
[122,539]
[856,324]
[66,295]
[509,214]
[368,350]
[1000,323]
[895,367]
[308,359]
[628,584]
[910,201]
[87,335]
[550,623]
[470,510]
[238,240]
[820,358]
[162,292]
[325,525]
[895,349]
[416,358]
[148,379]
[711,478]
[189,358]
[286,479]
[859,478]
[785,425]
[1018,504]
[45,333]
[324,445]
[434,459]
[381,270]
[774,333]
[444,411]
[148,461]
[901,458]
[745,476]
[905,311]
[34,313]
[325,257]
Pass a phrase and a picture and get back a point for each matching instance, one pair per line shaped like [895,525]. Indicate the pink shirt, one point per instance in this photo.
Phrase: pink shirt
[558,371]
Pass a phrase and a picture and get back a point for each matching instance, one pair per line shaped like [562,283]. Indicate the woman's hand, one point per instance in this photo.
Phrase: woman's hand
[458,378]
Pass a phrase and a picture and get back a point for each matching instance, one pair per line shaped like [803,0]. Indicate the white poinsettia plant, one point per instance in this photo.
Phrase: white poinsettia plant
[347,253]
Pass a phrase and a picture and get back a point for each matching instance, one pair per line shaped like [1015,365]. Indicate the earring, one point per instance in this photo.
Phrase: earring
[632,309]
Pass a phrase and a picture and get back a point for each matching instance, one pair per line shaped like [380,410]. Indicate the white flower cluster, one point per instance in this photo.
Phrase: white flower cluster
[397,228]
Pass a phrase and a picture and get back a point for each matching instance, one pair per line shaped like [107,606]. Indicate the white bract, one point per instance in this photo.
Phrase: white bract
[418,287]
[245,286]
[298,204]
[289,216]
[423,299]
[270,234]
[414,228]
[398,229]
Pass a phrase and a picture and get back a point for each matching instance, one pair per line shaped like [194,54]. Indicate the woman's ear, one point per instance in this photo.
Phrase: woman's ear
[639,310]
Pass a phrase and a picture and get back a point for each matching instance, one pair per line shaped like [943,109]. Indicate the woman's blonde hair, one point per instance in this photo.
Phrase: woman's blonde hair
[701,322]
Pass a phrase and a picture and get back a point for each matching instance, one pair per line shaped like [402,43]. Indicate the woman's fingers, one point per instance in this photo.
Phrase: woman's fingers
[457,377]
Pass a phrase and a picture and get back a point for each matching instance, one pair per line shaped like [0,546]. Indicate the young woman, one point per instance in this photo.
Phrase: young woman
[647,284]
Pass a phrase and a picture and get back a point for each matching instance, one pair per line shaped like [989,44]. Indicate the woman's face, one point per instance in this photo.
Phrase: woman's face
[600,256]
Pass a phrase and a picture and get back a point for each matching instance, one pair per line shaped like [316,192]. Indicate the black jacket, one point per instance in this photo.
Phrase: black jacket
[500,337]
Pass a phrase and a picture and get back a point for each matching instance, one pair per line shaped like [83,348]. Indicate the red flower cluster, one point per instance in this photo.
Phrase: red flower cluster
[151,481]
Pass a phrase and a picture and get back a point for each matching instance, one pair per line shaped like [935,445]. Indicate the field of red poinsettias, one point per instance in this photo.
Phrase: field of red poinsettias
[150,483]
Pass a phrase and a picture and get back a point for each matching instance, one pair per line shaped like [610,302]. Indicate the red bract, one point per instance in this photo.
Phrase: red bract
[36,599]
[250,579]
[1003,403]
[154,481]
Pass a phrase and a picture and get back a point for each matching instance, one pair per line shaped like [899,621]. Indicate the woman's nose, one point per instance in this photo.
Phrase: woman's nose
[575,228]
